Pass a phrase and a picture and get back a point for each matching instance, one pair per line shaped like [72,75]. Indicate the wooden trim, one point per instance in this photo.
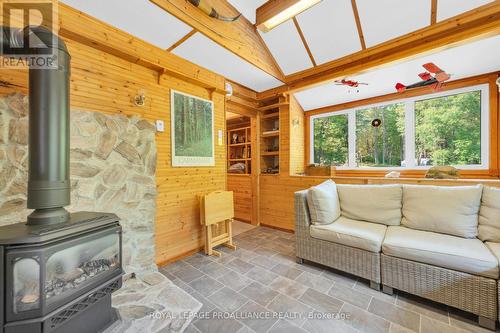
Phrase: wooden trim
[239,37]
[182,40]
[304,42]
[290,231]
[476,24]
[494,162]
[434,5]
[181,256]
[358,24]
[270,9]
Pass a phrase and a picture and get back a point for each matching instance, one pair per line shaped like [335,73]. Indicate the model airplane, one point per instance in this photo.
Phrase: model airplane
[428,79]
[350,83]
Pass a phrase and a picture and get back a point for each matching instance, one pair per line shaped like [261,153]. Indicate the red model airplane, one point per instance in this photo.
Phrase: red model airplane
[435,81]
[350,83]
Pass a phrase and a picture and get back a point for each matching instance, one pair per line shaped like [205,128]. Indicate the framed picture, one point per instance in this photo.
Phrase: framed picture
[192,121]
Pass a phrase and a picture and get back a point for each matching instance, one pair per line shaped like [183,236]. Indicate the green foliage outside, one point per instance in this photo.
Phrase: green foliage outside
[331,140]
[448,130]
[193,127]
[381,146]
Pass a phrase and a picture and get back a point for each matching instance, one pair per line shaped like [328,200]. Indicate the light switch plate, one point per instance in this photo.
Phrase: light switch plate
[160,126]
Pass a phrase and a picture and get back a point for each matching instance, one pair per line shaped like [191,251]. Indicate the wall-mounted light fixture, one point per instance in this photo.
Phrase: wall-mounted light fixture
[140,98]
[274,12]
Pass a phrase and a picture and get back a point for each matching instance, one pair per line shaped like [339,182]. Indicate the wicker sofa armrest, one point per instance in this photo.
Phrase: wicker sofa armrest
[302,217]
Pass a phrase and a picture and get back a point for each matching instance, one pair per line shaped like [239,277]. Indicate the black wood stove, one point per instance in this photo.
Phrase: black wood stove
[58,270]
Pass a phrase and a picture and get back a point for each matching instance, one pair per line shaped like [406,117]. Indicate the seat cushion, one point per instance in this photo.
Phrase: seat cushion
[456,253]
[323,202]
[371,203]
[495,249]
[362,235]
[449,210]
[489,215]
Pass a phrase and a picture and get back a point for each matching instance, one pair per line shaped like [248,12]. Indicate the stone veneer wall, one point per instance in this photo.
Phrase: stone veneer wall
[113,166]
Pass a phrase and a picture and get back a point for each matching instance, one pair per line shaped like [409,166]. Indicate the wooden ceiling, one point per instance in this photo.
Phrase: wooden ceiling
[331,40]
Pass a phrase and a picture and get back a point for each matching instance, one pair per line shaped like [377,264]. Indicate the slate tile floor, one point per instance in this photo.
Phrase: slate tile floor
[261,276]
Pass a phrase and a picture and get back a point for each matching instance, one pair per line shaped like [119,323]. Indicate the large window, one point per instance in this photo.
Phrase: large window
[448,128]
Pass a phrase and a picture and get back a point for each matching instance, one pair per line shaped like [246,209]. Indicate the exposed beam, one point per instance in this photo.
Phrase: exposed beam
[358,24]
[87,30]
[239,37]
[299,30]
[434,6]
[182,40]
[476,24]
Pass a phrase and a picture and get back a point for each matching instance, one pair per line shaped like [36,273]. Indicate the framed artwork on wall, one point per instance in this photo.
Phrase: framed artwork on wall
[192,122]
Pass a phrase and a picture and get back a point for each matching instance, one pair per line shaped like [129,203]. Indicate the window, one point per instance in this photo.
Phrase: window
[331,140]
[446,128]
[380,136]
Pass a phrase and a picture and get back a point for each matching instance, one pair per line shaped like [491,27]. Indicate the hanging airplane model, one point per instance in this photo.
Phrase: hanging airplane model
[428,79]
[350,83]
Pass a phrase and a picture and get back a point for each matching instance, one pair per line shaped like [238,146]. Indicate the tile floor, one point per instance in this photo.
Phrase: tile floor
[261,278]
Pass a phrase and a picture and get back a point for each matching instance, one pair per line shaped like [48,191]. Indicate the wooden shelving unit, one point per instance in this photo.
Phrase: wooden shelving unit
[270,137]
[241,150]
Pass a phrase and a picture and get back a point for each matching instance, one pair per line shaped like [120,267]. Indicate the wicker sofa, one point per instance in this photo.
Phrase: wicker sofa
[440,243]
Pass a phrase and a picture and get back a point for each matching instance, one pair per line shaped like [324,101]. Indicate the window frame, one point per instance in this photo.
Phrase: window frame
[410,122]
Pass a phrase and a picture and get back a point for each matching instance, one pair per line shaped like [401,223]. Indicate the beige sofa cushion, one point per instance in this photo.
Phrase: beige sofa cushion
[362,235]
[372,203]
[495,249]
[489,215]
[323,202]
[456,253]
[449,210]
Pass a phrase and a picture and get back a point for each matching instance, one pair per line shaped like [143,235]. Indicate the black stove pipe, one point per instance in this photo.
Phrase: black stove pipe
[49,180]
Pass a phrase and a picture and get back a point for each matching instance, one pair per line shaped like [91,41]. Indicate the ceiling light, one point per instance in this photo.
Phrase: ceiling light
[274,12]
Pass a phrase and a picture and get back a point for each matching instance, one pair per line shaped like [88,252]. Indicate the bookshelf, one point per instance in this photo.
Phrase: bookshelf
[239,148]
[270,138]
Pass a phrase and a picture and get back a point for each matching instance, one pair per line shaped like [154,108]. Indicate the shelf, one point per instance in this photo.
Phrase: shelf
[238,129]
[239,144]
[271,115]
[239,159]
[269,135]
[270,153]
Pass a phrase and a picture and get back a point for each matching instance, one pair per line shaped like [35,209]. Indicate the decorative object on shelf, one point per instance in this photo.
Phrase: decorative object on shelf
[205,7]
[234,139]
[320,170]
[192,130]
[238,168]
[376,122]
[443,172]
[216,214]
[393,174]
[241,139]
[140,98]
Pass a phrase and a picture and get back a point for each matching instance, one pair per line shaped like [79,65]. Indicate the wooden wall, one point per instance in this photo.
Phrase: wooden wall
[103,82]
[241,185]
[297,138]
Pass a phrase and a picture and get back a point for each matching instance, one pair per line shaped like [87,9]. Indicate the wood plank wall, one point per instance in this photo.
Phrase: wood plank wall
[106,83]
[297,139]
[241,185]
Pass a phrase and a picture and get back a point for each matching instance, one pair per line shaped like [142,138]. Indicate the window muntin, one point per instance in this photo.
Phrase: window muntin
[410,145]
[331,140]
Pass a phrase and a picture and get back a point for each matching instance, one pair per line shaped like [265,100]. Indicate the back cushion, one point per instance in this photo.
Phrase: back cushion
[372,203]
[449,210]
[489,215]
[323,202]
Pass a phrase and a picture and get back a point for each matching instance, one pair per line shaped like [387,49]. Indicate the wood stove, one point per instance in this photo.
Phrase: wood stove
[58,270]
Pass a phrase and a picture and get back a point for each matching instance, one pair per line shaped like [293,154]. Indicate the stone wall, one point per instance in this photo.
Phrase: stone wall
[113,166]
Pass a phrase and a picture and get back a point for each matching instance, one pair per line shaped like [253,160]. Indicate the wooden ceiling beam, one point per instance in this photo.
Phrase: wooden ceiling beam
[476,24]
[434,6]
[239,37]
[304,41]
[182,40]
[358,24]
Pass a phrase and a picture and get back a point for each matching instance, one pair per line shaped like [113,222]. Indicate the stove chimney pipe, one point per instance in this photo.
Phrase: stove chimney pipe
[49,182]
